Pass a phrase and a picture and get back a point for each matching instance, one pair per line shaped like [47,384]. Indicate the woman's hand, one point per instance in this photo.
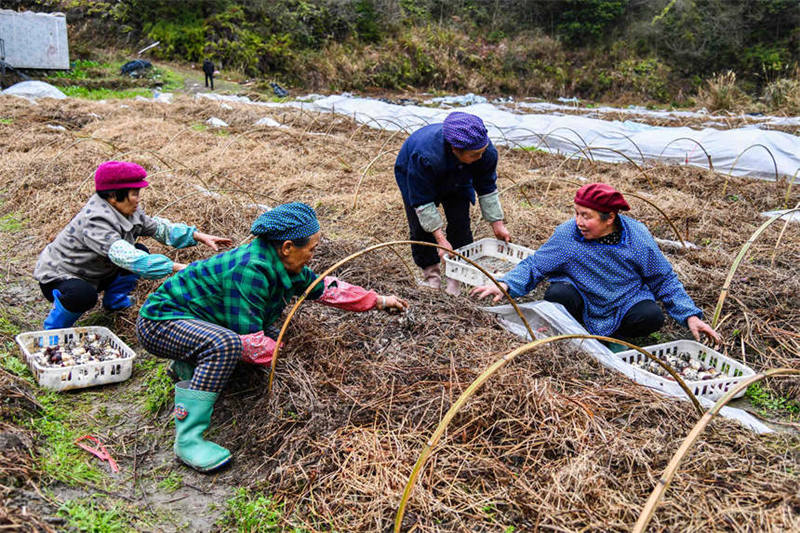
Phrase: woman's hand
[212,241]
[441,240]
[390,303]
[500,231]
[177,267]
[489,290]
[697,326]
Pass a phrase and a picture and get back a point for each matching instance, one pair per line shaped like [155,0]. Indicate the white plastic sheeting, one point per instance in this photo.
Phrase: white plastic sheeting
[584,137]
[793,217]
[34,89]
[669,115]
[547,319]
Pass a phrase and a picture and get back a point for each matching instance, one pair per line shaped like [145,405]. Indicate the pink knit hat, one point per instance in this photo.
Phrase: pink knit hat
[119,175]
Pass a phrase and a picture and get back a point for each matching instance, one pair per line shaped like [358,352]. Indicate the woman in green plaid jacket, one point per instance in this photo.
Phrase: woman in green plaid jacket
[221,310]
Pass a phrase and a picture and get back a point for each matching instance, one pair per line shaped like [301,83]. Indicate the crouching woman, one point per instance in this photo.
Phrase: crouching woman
[97,251]
[607,271]
[221,310]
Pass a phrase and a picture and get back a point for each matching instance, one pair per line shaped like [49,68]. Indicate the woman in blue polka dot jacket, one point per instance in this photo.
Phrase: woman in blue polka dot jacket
[607,271]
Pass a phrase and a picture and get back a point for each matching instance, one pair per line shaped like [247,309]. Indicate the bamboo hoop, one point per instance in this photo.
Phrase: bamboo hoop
[578,135]
[745,247]
[710,164]
[76,142]
[427,450]
[789,189]
[730,171]
[364,174]
[641,154]
[634,163]
[542,138]
[360,253]
[672,467]
[642,198]
[184,130]
[586,153]
[780,238]
[663,214]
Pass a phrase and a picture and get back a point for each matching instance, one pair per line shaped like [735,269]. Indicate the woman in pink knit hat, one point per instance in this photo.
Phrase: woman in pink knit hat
[97,251]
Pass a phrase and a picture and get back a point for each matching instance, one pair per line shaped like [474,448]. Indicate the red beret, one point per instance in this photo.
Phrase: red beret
[601,197]
[119,175]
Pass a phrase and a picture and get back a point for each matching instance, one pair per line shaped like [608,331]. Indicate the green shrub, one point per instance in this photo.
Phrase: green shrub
[184,39]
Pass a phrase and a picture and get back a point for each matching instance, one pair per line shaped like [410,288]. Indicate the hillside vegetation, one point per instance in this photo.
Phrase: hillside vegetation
[721,54]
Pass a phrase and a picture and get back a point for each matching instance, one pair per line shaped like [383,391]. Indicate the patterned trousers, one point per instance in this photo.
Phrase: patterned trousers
[214,350]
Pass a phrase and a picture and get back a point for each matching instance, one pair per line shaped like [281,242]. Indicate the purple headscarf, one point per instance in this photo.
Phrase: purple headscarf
[465,131]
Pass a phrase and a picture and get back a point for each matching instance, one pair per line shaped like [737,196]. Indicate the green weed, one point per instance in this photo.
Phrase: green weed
[768,403]
[11,223]
[6,120]
[89,517]
[171,483]
[103,94]
[169,79]
[12,364]
[158,391]
[246,512]
[8,328]
[60,458]
[79,70]
[199,127]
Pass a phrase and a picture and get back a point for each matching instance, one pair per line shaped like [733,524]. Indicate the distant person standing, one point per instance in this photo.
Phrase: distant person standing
[208,69]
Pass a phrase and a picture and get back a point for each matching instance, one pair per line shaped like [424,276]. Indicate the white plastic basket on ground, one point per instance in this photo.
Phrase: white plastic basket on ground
[59,378]
[548,319]
[731,372]
[495,256]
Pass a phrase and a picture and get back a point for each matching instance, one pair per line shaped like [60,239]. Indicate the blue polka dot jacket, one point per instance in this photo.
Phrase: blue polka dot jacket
[611,278]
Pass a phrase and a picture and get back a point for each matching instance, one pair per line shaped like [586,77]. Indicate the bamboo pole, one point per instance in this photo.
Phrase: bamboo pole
[724,292]
[427,450]
[672,467]
[360,253]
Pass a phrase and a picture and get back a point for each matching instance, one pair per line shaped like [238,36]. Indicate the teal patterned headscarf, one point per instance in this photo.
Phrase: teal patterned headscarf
[286,222]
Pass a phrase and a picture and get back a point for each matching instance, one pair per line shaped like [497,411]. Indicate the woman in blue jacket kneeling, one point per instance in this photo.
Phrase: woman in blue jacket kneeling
[607,271]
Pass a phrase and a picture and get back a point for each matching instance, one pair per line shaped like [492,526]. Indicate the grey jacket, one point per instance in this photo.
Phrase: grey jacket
[81,249]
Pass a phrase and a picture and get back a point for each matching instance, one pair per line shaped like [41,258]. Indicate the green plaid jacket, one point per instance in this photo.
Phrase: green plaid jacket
[244,289]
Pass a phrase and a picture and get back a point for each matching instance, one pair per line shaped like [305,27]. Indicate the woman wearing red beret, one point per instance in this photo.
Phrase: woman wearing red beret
[607,271]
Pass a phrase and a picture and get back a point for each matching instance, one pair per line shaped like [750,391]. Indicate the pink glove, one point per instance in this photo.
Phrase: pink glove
[343,295]
[257,348]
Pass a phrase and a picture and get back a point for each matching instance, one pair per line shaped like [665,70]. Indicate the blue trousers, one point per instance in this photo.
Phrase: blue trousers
[78,295]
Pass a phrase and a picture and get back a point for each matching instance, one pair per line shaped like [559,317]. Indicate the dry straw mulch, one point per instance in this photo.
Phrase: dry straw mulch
[552,442]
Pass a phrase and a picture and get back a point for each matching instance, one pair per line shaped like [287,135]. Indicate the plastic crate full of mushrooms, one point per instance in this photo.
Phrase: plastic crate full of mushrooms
[91,348]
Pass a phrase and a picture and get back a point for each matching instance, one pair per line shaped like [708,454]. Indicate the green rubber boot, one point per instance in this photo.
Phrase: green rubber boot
[616,347]
[193,410]
[180,370]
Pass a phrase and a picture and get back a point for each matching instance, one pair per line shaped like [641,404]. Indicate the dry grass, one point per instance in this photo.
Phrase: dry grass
[553,442]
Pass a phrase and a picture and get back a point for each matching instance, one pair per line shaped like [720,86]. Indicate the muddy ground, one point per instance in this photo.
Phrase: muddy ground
[552,442]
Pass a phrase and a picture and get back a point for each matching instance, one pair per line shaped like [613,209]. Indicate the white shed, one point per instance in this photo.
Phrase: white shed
[34,40]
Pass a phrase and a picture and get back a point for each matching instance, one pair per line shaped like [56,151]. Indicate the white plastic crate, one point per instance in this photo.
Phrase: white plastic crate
[77,376]
[713,389]
[458,269]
